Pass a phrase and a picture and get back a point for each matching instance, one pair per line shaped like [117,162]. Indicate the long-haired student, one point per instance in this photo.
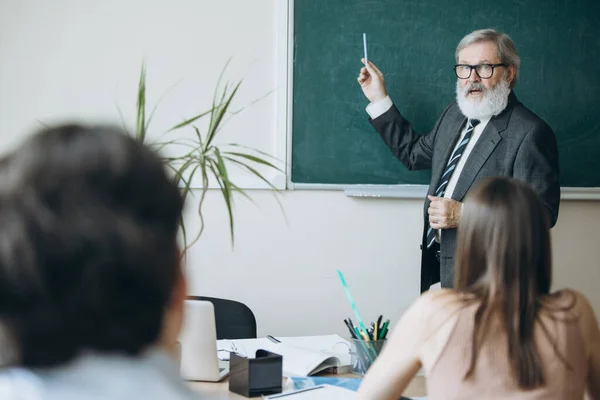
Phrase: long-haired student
[501,333]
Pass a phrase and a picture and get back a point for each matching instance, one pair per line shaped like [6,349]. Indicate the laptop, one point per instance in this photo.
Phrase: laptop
[198,338]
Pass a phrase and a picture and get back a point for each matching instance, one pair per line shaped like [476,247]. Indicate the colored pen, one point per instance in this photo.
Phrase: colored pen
[376,331]
[351,329]
[351,300]
[384,329]
[273,339]
[371,331]
[364,336]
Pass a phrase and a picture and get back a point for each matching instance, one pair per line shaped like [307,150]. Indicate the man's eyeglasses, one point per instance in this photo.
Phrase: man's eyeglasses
[484,71]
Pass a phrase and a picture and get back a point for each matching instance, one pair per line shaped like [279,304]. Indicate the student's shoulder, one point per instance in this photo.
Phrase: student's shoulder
[570,299]
[439,301]
[576,304]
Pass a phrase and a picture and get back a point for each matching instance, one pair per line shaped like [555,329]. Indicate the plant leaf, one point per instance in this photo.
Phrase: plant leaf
[140,132]
[183,236]
[226,197]
[260,176]
[261,98]
[255,159]
[220,173]
[233,185]
[199,137]
[122,120]
[190,120]
[158,102]
[252,170]
[217,117]
[252,149]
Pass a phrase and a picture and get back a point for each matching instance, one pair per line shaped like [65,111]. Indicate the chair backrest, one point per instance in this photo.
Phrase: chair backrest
[234,320]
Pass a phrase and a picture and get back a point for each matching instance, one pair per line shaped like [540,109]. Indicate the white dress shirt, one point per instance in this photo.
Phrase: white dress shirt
[377,108]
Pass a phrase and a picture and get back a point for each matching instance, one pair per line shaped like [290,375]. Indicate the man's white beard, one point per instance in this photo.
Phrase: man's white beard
[491,103]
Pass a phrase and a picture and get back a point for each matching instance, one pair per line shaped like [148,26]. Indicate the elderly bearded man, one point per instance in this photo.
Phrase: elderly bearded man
[486,132]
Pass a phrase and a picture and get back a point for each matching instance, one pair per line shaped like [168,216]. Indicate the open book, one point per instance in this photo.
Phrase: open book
[302,356]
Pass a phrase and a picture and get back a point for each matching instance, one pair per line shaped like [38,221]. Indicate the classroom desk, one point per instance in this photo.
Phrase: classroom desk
[220,390]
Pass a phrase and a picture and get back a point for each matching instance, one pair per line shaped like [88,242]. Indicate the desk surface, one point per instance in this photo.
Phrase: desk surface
[220,390]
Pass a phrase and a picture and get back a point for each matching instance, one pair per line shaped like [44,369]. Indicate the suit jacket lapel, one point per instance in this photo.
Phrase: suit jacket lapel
[481,152]
[490,137]
[447,143]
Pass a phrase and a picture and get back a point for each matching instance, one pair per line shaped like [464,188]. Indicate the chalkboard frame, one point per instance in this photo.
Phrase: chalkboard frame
[361,190]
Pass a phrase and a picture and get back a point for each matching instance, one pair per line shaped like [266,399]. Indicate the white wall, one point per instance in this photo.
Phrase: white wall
[78,59]
[286,271]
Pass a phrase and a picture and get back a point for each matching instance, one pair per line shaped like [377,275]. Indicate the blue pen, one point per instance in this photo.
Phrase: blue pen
[352,304]
[363,329]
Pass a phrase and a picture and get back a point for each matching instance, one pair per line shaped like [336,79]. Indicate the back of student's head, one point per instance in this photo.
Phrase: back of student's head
[88,252]
[504,240]
[504,258]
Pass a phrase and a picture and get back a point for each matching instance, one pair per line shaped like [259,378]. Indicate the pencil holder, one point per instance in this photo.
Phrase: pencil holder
[252,377]
[364,353]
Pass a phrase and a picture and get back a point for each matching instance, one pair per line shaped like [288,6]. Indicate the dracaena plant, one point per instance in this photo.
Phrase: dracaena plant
[201,156]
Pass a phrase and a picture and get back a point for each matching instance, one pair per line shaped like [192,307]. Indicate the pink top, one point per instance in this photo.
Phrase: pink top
[492,378]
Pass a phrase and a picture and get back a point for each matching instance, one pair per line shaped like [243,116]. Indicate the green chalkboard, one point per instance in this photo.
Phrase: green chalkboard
[413,43]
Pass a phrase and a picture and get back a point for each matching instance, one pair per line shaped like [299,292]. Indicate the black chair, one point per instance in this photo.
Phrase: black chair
[234,320]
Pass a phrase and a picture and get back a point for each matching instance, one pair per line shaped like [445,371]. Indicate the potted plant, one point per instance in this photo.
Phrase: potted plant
[202,156]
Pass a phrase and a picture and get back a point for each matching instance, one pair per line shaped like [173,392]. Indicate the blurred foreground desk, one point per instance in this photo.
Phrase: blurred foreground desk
[220,390]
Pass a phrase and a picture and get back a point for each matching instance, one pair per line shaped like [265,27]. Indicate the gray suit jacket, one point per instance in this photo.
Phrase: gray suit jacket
[516,143]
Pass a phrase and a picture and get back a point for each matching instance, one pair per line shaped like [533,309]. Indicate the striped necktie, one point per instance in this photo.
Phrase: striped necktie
[452,163]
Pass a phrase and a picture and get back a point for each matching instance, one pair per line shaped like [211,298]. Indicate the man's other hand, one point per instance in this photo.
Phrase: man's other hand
[371,82]
[443,213]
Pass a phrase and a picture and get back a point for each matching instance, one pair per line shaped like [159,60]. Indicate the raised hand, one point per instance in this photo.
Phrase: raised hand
[371,82]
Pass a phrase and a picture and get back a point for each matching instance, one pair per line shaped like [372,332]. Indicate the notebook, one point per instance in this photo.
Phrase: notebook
[302,356]
[303,382]
[199,361]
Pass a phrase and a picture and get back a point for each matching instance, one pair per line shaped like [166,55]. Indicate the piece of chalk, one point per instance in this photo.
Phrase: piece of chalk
[365,45]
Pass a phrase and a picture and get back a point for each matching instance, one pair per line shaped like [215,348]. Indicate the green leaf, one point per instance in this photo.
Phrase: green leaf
[120,116]
[219,82]
[260,176]
[158,102]
[253,149]
[231,184]
[261,98]
[226,192]
[190,120]
[184,236]
[140,132]
[199,137]
[217,117]
[255,159]
[253,171]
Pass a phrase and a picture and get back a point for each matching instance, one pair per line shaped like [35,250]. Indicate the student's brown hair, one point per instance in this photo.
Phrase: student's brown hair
[504,258]
[88,250]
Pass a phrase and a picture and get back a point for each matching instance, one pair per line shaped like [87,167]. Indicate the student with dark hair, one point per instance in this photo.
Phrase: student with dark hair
[500,333]
[91,286]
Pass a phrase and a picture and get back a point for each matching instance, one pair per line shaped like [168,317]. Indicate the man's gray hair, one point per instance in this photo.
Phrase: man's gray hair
[507,51]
